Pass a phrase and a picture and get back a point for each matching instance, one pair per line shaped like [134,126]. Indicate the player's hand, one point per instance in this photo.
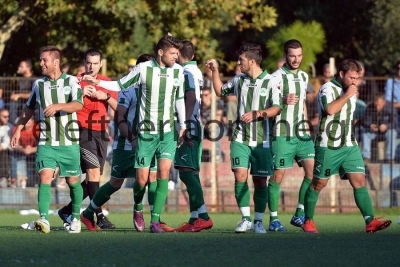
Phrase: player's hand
[211,64]
[14,97]
[181,138]
[51,110]
[88,90]
[250,116]
[15,139]
[383,128]
[100,95]
[90,80]
[290,99]
[188,138]
[351,90]
[374,127]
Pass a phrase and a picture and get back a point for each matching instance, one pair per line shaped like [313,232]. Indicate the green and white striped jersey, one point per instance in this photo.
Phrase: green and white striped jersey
[127,98]
[159,90]
[62,129]
[335,130]
[252,94]
[291,121]
[194,81]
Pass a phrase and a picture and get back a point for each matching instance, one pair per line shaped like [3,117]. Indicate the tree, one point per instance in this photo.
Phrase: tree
[311,35]
[382,50]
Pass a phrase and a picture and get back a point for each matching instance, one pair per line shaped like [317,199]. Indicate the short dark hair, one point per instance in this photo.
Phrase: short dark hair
[379,96]
[55,53]
[144,58]
[251,51]
[349,64]
[187,49]
[168,42]
[93,52]
[28,62]
[293,43]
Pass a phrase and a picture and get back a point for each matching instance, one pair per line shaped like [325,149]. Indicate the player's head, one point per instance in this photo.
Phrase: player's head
[25,67]
[348,72]
[50,59]
[93,61]
[249,56]
[293,53]
[186,52]
[144,58]
[167,51]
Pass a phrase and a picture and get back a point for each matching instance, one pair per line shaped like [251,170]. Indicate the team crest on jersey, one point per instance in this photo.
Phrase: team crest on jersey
[263,92]
[67,90]
[176,82]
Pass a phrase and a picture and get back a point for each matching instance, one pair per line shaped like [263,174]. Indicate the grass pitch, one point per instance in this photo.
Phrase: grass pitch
[342,241]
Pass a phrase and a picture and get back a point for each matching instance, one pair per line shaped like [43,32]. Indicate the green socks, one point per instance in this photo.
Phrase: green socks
[138,194]
[242,195]
[44,200]
[151,192]
[101,196]
[260,198]
[273,199]
[302,193]
[76,194]
[364,203]
[159,199]
[310,201]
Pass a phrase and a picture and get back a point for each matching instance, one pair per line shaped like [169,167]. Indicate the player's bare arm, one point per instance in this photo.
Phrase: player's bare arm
[217,83]
[123,126]
[70,107]
[338,104]
[264,113]
[26,115]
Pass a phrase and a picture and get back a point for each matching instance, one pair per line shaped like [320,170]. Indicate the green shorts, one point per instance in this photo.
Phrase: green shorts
[286,151]
[343,160]
[260,159]
[162,146]
[189,157]
[66,157]
[123,164]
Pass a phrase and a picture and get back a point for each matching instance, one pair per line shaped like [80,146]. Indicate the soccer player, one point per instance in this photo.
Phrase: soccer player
[93,136]
[160,94]
[123,157]
[188,156]
[257,101]
[291,138]
[336,150]
[58,97]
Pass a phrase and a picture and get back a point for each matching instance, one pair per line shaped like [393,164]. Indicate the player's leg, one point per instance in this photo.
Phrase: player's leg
[305,156]
[284,152]
[327,162]
[240,161]
[353,168]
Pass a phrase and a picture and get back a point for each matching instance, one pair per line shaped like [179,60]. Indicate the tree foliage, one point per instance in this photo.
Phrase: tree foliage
[303,32]
[123,29]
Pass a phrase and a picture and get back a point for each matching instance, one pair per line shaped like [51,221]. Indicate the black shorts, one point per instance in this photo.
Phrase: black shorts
[93,147]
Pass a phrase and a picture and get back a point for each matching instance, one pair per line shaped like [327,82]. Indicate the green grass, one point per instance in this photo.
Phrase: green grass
[341,242]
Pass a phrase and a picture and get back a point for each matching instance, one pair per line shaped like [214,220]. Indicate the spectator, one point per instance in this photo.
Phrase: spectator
[80,69]
[380,125]
[5,131]
[24,87]
[66,67]
[280,63]
[131,63]
[358,114]
[205,114]
[392,90]
[367,88]
[23,157]
[312,110]
[326,77]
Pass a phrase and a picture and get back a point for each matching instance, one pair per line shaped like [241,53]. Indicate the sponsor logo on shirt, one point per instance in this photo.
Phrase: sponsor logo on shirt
[163,75]
[263,92]
[67,90]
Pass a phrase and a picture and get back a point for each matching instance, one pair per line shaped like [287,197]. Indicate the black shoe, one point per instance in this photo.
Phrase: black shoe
[104,223]
[64,215]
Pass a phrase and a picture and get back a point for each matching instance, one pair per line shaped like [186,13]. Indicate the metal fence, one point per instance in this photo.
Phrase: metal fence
[383,171]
